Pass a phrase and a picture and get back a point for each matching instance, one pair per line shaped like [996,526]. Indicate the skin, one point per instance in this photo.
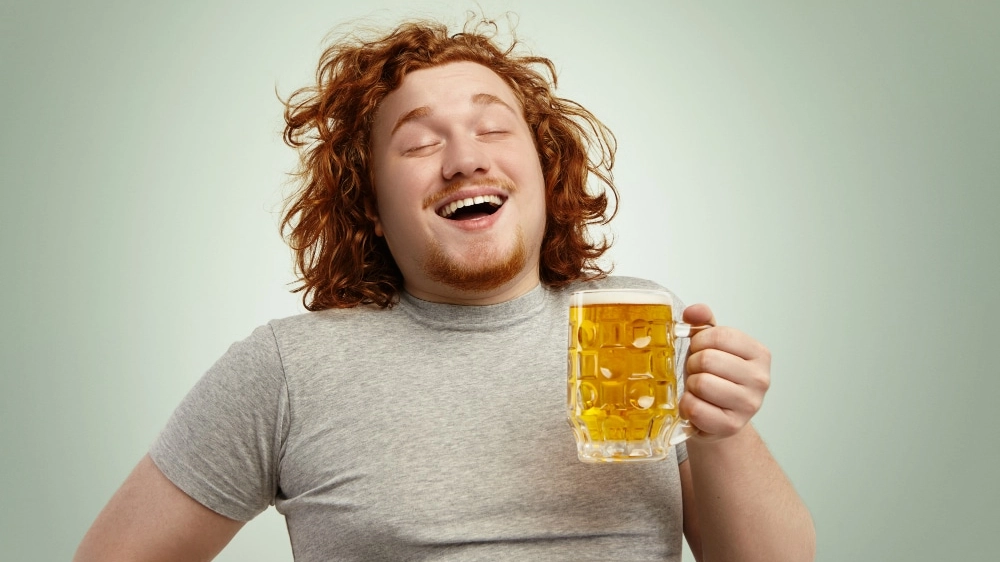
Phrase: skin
[738,504]
[454,131]
[151,520]
[452,126]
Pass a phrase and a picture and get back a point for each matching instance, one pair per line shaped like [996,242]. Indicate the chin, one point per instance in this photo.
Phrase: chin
[485,270]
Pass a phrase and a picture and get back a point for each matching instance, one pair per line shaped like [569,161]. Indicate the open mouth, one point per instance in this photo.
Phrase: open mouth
[472,207]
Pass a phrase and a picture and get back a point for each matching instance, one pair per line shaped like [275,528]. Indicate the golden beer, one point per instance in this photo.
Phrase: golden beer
[622,378]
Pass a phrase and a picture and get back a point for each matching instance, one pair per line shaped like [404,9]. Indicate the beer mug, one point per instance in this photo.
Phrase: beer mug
[624,351]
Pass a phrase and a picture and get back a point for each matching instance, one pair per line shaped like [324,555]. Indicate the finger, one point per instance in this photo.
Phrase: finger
[723,364]
[730,340]
[709,419]
[699,315]
[724,394]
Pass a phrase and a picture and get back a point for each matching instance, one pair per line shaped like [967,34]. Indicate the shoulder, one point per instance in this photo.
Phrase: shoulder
[331,318]
[331,327]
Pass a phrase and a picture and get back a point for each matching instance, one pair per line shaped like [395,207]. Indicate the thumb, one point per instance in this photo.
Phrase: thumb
[699,315]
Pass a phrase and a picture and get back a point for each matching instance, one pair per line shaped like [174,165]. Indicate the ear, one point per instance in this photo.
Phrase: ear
[371,213]
[376,223]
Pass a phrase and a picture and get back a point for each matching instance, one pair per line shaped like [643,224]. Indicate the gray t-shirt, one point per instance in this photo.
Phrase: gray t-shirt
[420,432]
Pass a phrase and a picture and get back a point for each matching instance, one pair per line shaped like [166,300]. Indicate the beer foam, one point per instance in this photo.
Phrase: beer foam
[620,296]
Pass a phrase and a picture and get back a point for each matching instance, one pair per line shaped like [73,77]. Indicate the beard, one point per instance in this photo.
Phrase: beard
[486,272]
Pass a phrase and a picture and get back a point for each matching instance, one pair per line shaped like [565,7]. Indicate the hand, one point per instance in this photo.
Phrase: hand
[728,373]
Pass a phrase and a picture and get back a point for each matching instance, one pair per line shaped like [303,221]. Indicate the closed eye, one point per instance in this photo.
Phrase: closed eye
[422,148]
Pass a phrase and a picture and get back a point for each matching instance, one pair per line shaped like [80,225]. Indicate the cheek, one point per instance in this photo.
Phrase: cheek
[391,187]
[536,181]
[388,214]
[398,210]
[531,155]
[523,164]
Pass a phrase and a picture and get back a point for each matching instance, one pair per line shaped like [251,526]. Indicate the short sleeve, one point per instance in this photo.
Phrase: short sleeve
[222,445]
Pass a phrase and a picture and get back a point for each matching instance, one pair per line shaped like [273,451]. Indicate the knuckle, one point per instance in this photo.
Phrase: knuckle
[765,382]
[732,425]
[761,379]
[709,360]
[752,403]
[765,354]
[685,407]
[693,363]
[692,384]
[701,417]
[693,410]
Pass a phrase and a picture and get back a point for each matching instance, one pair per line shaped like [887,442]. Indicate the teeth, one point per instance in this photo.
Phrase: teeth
[449,209]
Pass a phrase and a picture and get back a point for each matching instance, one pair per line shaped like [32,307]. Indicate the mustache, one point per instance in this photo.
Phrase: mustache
[455,186]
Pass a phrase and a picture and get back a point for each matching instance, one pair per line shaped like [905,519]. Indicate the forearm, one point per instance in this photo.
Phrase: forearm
[747,508]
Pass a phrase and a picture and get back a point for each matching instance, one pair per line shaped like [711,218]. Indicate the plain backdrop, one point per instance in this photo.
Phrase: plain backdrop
[826,175]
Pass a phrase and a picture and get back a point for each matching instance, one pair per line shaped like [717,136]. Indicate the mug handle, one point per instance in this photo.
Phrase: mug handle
[683,429]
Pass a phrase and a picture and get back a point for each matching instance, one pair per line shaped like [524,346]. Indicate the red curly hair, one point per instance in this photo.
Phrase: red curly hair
[328,222]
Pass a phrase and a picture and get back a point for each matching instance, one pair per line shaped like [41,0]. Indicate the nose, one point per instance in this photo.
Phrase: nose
[464,157]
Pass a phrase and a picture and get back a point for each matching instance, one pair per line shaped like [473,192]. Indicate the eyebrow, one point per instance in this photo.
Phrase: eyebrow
[411,115]
[490,99]
[424,111]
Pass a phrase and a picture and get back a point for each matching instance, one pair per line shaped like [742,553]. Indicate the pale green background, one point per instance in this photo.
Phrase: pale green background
[825,175]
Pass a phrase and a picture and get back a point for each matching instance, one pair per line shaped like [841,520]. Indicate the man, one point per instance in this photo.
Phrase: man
[418,411]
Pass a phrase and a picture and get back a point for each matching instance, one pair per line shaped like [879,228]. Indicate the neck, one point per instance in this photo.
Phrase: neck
[440,293]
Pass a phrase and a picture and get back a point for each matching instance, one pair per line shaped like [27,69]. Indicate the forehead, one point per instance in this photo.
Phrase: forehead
[439,88]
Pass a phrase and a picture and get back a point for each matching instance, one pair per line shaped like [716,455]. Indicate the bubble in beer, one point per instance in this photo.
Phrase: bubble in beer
[588,395]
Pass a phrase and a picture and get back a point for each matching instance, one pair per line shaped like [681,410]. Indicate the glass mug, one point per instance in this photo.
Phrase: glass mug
[623,391]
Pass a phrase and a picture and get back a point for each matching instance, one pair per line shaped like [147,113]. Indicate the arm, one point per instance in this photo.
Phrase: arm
[149,519]
[738,504]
